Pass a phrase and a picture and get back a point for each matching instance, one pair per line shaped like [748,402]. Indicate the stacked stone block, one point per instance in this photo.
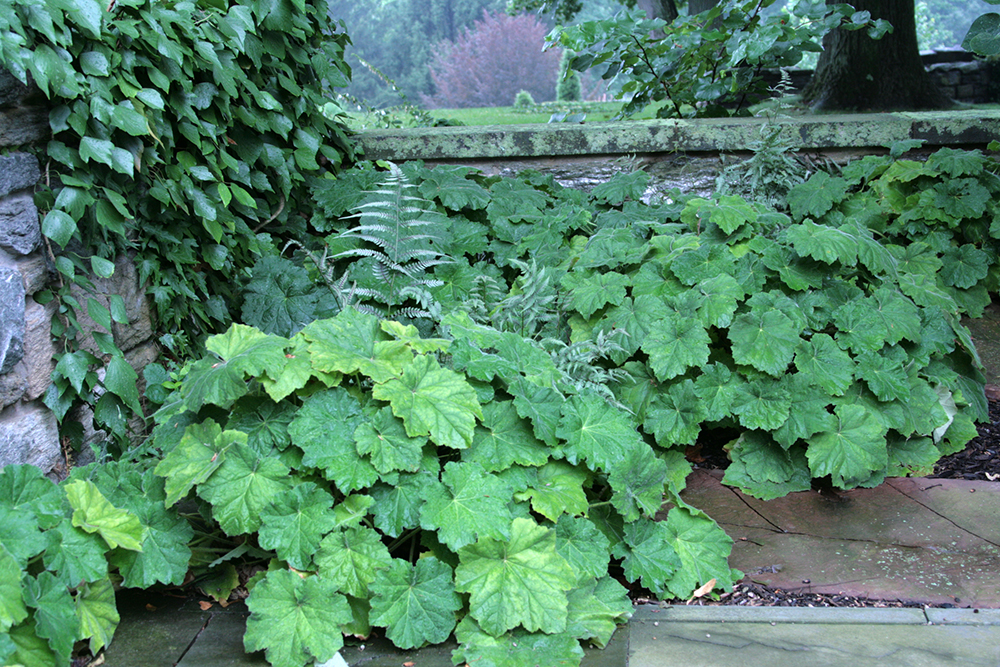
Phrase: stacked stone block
[29,432]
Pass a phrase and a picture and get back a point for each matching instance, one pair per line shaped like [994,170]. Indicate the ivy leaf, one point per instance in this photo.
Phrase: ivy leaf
[674,344]
[350,558]
[93,513]
[703,549]
[468,503]
[242,487]
[324,429]
[521,581]
[294,523]
[55,615]
[764,339]
[853,449]
[504,439]
[98,613]
[647,554]
[558,490]
[589,292]
[12,609]
[596,432]
[384,440]
[825,364]
[433,401]
[816,196]
[584,547]
[295,620]
[347,344]
[240,352]
[415,603]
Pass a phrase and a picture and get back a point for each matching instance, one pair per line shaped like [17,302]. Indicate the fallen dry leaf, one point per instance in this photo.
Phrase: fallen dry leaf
[205,605]
[150,607]
[407,664]
[704,590]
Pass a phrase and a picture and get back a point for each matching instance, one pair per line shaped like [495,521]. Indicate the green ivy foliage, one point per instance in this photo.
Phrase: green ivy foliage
[184,134]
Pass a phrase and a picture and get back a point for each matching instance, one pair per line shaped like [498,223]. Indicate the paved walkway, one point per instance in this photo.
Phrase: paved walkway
[916,539]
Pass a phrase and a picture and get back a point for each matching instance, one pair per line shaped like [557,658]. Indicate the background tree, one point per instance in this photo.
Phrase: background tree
[397,39]
[857,73]
[569,87]
[491,61]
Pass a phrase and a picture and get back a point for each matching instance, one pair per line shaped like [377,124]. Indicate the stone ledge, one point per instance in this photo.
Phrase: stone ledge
[824,615]
[859,131]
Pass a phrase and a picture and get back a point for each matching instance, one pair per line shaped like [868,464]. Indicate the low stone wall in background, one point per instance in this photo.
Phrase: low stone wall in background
[28,429]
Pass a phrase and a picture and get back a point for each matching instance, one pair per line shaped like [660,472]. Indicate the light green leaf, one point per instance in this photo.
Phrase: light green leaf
[584,547]
[12,609]
[295,620]
[522,581]
[816,196]
[674,344]
[55,615]
[294,523]
[397,508]
[764,339]
[596,432]
[825,364]
[595,610]
[385,441]
[240,352]
[648,554]
[415,603]
[200,452]
[703,549]
[468,503]
[59,226]
[242,487]
[637,483]
[324,429]
[504,439]
[853,449]
[98,613]
[75,555]
[589,292]
[433,401]
[93,513]
[558,490]
[347,344]
[542,405]
[516,648]
[350,559]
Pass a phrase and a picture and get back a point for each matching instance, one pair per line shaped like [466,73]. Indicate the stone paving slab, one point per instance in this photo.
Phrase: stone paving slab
[711,644]
[932,541]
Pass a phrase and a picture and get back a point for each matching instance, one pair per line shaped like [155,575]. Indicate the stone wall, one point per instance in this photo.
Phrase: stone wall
[28,430]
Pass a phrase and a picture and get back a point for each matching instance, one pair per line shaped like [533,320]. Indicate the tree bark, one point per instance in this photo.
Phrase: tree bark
[662,9]
[857,73]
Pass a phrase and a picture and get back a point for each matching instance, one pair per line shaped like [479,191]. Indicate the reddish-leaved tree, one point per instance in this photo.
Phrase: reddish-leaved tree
[488,64]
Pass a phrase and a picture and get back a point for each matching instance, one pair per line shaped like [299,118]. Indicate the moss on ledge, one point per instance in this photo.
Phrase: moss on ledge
[972,127]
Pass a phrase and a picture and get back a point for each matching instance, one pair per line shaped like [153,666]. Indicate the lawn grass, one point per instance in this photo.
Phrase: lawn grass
[539,113]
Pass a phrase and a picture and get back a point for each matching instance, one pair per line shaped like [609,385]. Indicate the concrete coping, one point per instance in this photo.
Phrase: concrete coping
[814,132]
[809,615]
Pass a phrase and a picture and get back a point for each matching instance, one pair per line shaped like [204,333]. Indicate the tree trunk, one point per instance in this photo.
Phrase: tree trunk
[661,9]
[857,73]
[699,6]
